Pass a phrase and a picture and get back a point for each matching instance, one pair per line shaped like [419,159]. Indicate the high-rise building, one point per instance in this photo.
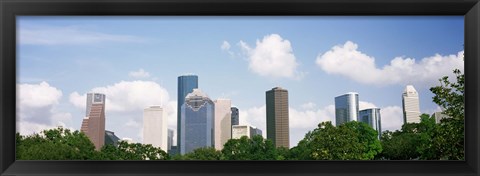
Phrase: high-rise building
[373,118]
[170,139]
[197,127]
[93,125]
[411,105]
[277,117]
[439,116]
[186,84]
[235,116]
[346,108]
[111,138]
[155,127]
[223,122]
[244,130]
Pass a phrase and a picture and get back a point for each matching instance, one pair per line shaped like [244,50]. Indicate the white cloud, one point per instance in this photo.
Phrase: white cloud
[139,74]
[365,105]
[67,35]
[272,57]
[392,118]
[225,46]
[36,108]
[348,61]
[308,105]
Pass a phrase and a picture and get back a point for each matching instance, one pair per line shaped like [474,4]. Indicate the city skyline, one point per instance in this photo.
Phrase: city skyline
[124,59]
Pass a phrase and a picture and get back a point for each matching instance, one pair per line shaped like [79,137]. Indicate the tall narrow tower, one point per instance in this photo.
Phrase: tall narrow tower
[411,105]
[93,125]
[277,117]
[186,84]
[346,108]
[223,122]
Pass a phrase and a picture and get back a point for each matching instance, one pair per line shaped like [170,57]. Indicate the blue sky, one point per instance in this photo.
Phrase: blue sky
[136,62]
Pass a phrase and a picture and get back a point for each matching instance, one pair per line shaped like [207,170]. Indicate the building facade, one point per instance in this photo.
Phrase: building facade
[170,139]
[93,125]
[277,117]
[186,84]
[439,116]
[197,127]
[235,116]
[373,118]
[111,138]
[244,130]
[155,127]
[411,105]
[346,108]
[223,122]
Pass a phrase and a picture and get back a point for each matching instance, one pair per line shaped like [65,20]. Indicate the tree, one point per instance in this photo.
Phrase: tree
[132,151]
[256,148]
[55,144]
[449,138]
[349,141]
[206,153]
[411,142]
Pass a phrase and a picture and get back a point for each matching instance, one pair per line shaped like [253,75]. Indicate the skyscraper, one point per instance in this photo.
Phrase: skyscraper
[186,84]
[346,108]
[93,125]
[197,127]
[411,105]
[155,127]
[170,140]
[235,116]
[373,118]
[223,122]
[277,117]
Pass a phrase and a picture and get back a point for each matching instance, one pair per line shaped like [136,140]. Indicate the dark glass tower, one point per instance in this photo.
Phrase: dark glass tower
[235,117]
[186,84]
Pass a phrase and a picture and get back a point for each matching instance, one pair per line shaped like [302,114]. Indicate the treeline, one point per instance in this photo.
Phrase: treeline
[426,140]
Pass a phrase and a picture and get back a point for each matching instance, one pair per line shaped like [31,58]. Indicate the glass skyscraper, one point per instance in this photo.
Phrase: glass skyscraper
[186,84]
[235,116]
[373,118]
[346,108]
[197,122]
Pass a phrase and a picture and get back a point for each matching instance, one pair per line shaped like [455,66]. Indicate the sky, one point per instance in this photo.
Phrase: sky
[135,61]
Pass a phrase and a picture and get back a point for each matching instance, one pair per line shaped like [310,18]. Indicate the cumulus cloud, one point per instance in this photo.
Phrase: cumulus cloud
[365,105]
[225,46]
[346,60]
[139,74]
[36,108]
[272,57]
[392,118]
[67,35]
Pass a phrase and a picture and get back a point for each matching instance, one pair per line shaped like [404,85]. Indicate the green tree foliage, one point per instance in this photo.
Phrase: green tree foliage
[411,142]
[55,144]
[207,153]
[256,148]
[350,141]
[132,151]
[449,137]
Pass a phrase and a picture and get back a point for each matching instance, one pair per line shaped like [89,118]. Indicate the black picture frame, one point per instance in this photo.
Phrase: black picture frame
[470,9]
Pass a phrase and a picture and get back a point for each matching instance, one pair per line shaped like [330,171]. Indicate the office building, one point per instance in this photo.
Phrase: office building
[186,84]
[197,127]
[277,117]
[373,118]
[235,116]
[223,122]
[439,116]
[93,125]
[411,105]
[170,139]
[111,138]
[244,130]
[346,108]
[155,130]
